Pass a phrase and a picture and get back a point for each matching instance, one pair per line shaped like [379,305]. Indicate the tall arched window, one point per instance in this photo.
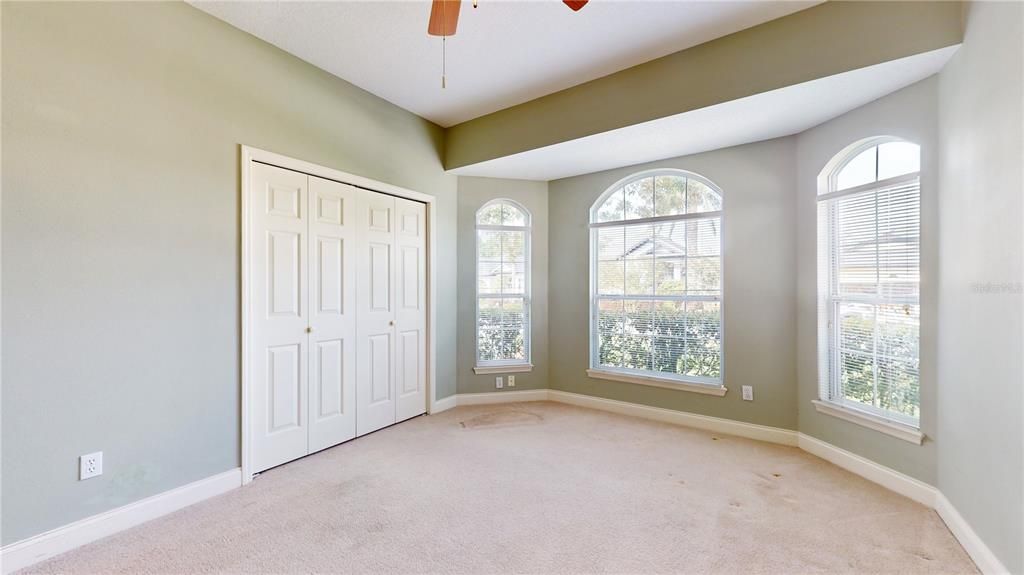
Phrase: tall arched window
[656,281]
[869,310]
[503,287]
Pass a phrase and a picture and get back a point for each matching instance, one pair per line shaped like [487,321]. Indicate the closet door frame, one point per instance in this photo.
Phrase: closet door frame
[249,155]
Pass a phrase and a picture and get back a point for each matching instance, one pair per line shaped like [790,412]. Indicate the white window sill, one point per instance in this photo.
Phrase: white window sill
[882,425]
[511,368]
[708,389]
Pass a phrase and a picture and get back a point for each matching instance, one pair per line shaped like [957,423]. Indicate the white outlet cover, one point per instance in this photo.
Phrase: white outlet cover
[498,382]
[90,465]
[511,381]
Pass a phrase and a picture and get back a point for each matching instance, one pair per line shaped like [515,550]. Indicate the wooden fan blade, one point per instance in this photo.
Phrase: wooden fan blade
[575,4]
[444,17]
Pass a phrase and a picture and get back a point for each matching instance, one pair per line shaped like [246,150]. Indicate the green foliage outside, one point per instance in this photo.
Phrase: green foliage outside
[681,344]
[499,331]
[898,382]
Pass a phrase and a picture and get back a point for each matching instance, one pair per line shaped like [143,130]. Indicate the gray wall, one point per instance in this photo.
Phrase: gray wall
[757,182]
[981,312]
[473,193]
[909,114]
[121,125]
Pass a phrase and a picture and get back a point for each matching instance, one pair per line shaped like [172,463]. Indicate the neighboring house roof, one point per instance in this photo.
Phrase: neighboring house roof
[666,248]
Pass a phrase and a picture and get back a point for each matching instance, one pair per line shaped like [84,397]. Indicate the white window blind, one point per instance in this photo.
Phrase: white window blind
[503,284]
[869,283]
[656,261]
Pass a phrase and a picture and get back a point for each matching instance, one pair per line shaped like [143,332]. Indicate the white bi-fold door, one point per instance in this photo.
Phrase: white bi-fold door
[336,313]
[391,319]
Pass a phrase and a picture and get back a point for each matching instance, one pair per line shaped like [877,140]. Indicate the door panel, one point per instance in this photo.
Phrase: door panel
[330,258]
[380,277]
[375,302]
[284,266]
[284,381]
[330,371]
[332,320]
[411,314]
[380,368]
[409,362]
[278,313]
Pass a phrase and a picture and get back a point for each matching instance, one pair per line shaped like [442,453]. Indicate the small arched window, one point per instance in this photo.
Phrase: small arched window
[503,286]
[869,314]
[656,281]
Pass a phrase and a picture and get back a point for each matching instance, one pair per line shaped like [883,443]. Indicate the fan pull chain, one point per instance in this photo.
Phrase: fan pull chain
[444,44]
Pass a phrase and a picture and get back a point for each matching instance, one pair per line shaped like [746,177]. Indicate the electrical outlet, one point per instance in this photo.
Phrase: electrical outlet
[511,381]
[498,383]
[748,393]
[90,465]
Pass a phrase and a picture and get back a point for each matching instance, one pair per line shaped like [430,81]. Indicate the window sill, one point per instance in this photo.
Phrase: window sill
[707,389]
[511,368]
[881,425]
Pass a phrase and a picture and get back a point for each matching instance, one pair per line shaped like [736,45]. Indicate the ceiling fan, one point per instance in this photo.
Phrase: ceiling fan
[444,19]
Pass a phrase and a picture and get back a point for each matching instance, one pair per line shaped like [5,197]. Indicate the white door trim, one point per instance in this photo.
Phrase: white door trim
[249,155]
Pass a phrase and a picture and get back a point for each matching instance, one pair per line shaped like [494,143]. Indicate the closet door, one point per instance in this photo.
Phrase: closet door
[375,316]
[332,314]
[279,316]
[410,308]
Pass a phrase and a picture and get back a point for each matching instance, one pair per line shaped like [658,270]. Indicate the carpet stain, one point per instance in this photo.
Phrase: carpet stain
[503,418]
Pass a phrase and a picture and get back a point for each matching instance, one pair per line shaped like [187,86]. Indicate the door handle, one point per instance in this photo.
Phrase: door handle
[309,329]
[392,322]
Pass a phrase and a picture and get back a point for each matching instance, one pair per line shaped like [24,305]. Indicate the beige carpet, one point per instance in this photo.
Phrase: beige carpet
[540,488]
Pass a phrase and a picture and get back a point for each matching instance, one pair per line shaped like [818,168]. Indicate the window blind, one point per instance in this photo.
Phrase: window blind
[869,273]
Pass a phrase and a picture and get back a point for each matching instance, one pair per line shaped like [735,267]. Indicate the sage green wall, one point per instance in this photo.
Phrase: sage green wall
[909,114]
[121,126]
[757,182]
[473,193]
[824,40]
[981,304]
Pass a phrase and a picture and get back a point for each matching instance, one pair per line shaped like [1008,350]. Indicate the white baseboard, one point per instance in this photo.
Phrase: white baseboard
[716,424]
[444,404]
[502,397]
[983,557]
[56,541]
[889,478]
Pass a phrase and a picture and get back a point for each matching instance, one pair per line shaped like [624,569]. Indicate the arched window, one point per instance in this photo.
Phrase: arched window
[869,312]
[502,286]
[656,281]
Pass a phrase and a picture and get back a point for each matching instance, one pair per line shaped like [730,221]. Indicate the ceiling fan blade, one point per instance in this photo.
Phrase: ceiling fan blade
[575,4]
[444,17]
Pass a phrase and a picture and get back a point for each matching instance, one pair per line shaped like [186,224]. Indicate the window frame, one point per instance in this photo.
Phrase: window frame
[698,384]
[504,365]
[831,398]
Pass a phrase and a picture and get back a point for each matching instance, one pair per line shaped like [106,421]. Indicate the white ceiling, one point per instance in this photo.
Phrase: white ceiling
[504,53]
[774,114]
